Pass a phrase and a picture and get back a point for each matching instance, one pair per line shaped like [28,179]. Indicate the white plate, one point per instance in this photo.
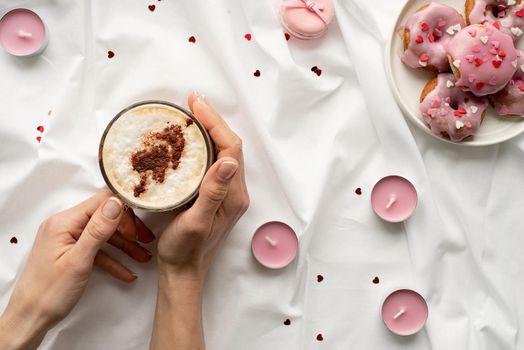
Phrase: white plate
[408,83]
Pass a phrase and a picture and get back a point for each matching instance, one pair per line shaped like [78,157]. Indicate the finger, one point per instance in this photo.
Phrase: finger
[215,125]
[84,210]
[99,229]
[127,225]
[131,248]
[145,235]
[214,189]
[114,268]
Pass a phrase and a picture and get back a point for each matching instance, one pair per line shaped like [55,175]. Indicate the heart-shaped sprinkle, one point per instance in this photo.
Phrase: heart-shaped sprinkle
[432,112]
[435,102]
[287,36]
[456,63]
[110,54]
[443,112]
[479,85]
[496,63]
[476,48]
[450,30]
[287,322]
[358,191]
[478,62]
[501,53]
[320,337]
[460,112]
[376,280]
[484,39]
[472,32]
[419,39]
[424,57]
[468,124]
[459,124]
[472,78]
[520,13]
[39,139]
[40,128]
[192,39]
[320,278]
[493,81]
[495,44]
[248,37]
[521,87]
[493,51]
[450,84]
[441,23]
[151,8]
[424,26]
[514,63]
[457,27]
[474,109]
[516,31]
[257,73]
[13,240]
[470,58]
[437,32]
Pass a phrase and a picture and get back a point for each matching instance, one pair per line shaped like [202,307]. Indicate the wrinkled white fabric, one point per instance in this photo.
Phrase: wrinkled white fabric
[309,140]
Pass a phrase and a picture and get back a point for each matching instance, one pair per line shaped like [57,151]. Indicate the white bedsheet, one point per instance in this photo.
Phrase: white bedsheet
[310,141]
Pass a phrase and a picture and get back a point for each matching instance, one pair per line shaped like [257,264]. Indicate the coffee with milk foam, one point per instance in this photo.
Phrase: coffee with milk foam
[154,156]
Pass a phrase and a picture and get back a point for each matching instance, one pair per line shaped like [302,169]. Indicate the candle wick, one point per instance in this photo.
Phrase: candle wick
[271,242]
[400,313]
[392,200]
[24,34]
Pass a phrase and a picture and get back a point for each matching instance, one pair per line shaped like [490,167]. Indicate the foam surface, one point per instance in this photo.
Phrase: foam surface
[125,137]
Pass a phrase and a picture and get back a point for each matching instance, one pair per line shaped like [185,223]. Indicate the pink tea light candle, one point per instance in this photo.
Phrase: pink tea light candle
[404,312]
[394,198]
[23,33]
[274,245]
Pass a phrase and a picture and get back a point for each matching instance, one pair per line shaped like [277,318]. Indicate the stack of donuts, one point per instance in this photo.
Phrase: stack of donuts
[476,61]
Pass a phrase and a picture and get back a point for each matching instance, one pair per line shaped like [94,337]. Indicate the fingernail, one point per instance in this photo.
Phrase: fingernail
[148,252]
[227,169]
[112,208]
[201,98]
[134,275]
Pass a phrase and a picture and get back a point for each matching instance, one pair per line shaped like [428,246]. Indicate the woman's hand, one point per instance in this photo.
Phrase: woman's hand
[188,245]
[57,271]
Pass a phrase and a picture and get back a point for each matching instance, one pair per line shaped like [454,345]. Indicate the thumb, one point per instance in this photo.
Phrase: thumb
[99,229]
[213,189]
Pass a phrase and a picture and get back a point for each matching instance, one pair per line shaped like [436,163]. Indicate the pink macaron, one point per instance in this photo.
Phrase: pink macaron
[306,19]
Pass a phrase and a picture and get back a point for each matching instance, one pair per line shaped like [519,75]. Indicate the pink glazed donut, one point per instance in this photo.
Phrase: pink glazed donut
[482,58]
[506,15]
[449,111]
[306,19]
[510,100]
[425,34]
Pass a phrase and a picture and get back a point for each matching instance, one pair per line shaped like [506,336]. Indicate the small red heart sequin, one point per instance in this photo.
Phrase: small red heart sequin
[39,139]
[478,62]
[502,53]
[248,37]
[419,39]
[13,240]
[480,85]
[151,8]
[358,191]
[40,128]
[424,26]
[287,36]
[424,57]
[496,63]
[110,54]
[287,322]
[376,280]
[192,39]
[320,278]
[460,112]
[257,73]
[320,337]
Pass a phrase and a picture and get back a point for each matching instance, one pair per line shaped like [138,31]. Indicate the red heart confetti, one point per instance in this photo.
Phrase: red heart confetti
[480,85]
[496,63]
[358,191]
[39,139]
[316,70]
[376,280]
[320,278]
[460,112]
[287,36]
[320,337]
[287,322]
[13,240]
[110,54]
[521,87]
[424,26]
[257,73]
[40,128]
[520,13]
[192,39]
[419,39]
[248,37]
[151,8]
